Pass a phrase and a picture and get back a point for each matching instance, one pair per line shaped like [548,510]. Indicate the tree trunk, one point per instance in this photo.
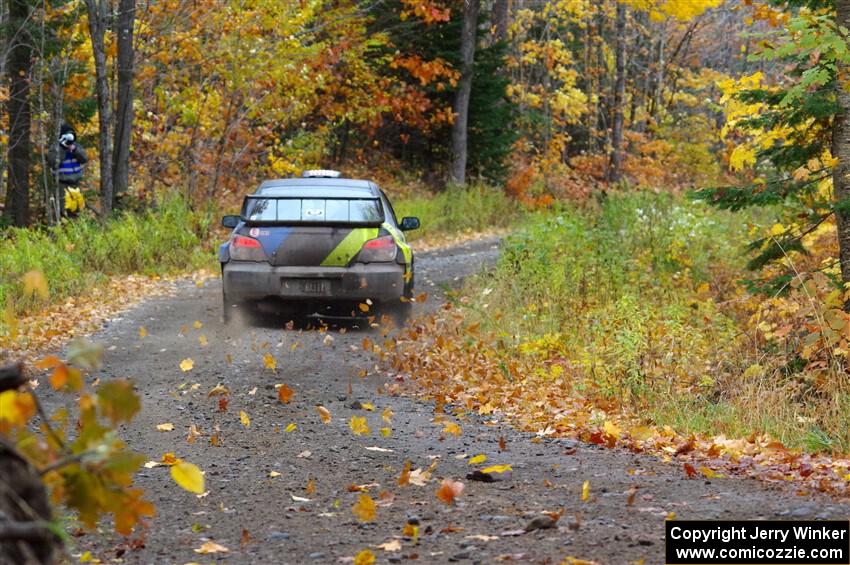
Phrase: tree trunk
[98,14]
[124,102]
[19,65]
[841,151]
[615,168]
[658,83]
[501,14]
[461,109]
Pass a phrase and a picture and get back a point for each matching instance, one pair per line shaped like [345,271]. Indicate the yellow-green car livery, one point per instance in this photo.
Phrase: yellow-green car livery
[318,244]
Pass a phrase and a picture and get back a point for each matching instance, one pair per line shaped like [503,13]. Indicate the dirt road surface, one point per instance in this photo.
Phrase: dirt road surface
[483,525]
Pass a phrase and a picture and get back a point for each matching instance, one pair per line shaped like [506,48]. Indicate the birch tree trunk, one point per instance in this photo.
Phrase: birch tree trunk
[461,108]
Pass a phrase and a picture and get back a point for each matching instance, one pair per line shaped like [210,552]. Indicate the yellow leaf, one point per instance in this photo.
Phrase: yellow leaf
[358,425]
[387,415]
[16,407]
[166,427]
[386,432]
[671,516]
[365,557]
[243,417]
[497,469]
[710,474]
[269,362]
[197,325]
[411,531]
[364,509]
[477,459]
[585,491]
[368,406]
[170,459]
[311,486]
[291,427]
[142,332]
[324,414]
[35,284]
[202,339]
[186,364]
[612,430]
[211,547]
[273,474]
[741,157]
[363,307]
[392,545]
[451,428]
[188,476]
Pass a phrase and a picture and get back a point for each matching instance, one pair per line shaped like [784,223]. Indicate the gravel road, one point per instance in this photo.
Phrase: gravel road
[485,523]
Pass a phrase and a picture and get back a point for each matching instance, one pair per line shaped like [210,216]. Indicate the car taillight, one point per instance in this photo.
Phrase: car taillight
[244,248]
[242,241]
[378,250]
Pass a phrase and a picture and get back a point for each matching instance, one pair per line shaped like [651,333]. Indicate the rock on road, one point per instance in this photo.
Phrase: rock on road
[484,524]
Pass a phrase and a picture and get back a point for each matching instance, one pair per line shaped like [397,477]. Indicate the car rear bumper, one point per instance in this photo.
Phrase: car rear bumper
[256,281]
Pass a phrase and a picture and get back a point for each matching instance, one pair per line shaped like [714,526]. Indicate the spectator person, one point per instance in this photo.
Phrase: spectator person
[66,158]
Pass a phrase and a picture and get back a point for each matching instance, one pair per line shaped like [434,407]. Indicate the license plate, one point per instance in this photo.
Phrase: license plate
[316,287]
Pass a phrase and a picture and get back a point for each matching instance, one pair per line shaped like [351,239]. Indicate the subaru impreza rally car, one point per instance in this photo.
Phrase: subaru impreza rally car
[318,244]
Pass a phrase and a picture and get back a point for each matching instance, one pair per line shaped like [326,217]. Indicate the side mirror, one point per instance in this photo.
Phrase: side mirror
[409,223]
[230,221]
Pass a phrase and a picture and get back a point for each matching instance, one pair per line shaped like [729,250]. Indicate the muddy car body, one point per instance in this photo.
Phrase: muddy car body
[318,243]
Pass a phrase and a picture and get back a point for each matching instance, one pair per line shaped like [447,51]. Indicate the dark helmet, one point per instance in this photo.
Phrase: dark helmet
[67,128]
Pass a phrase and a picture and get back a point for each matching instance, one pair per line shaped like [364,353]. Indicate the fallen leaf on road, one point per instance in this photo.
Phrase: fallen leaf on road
[284,393]
[186,365]
[386,432]
[245,539]
[381,449]
[197,325]
[328,340]
[364,509]
[311,486]
[202,339]
[243,417]
[585,491]
[709,474]
[211,547]
[194,433]
[324,414]
[481,537]
[218,389]
[502,444]
[448,490]
[299,498]
[142,332]
[273,474]
[365,557]
[290,428]
[631,496]
[188,476]
[222,404]
[152,464]
[305,454]
[690,470]
[367,406]
[358,425]
[392,545]
[166,427]
[387,415]
[451,428]
[612,430]
[410,531]
[362,488]
[477,459]
[404,478]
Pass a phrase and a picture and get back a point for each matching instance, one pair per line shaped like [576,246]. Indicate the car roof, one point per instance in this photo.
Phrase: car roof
[319,188]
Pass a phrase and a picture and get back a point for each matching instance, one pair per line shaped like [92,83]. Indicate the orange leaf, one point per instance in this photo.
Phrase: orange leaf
[284,393]
[404,478]
[324,414]
[364,509]
[448,490]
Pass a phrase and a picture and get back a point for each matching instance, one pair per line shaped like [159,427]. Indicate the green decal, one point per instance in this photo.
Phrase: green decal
[343,253]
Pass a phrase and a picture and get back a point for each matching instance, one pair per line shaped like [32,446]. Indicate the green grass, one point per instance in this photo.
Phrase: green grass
[457,210]
[637,297]
[84,252]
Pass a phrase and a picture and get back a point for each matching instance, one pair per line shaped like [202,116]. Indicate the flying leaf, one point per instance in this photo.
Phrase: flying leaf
[197,325]
[386,432]
[166,427]
[612,430]
[202,339]
[497,469]
[502,444]
[35,284]
[448,490]
[290,428]
[404,478]
[246,538]
[188,476]
[363,307]
[367,406]
[218,389]
[269,362]
[186,364]
[585,491]
[273,474]
[387,415]
[243,417]
[142,332]
[324,414]
[364,509]
[311,486]
[477,459]
[284,393]
[365,557]
[410,531]
[358,425]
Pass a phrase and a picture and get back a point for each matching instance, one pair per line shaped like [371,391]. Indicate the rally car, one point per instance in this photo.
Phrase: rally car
[318,244]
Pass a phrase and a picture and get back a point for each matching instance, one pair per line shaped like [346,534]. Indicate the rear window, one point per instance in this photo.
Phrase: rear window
[344,210]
